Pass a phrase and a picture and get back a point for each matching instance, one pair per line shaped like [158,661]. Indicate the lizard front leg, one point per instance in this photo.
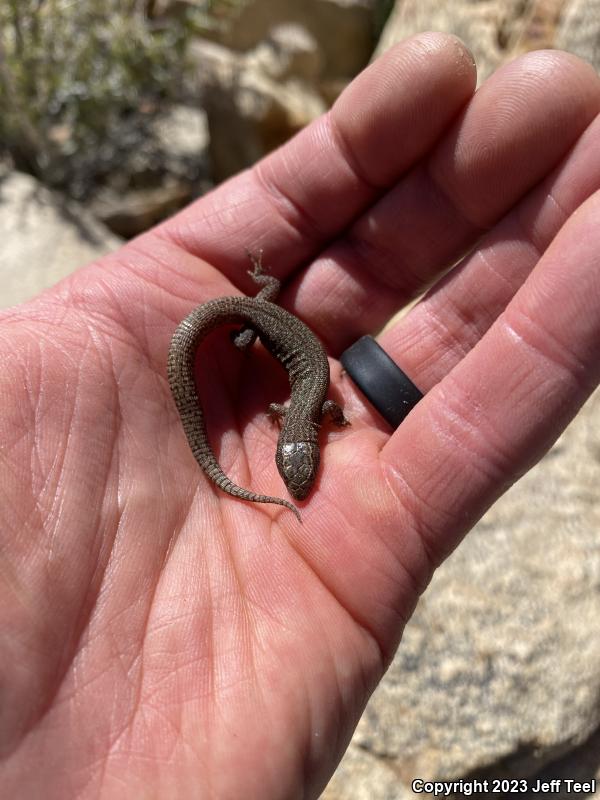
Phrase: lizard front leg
[276,413]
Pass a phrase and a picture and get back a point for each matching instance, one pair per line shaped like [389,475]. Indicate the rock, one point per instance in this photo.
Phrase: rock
[289,52]
[343,29]
[133,211]
[345,32]
[498,672]
[579,30]
[256,101]
[479,25]
[496,31]
[45,238]
[277,66]
[182,135]
[162,176]
[539,27]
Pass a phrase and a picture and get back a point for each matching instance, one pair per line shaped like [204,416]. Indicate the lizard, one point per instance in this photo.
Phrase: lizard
[299,351]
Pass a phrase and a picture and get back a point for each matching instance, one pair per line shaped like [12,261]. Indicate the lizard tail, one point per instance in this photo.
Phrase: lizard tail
[236,491]
[180,370]
[211,467]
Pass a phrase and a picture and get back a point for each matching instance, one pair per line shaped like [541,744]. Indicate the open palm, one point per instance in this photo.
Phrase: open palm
[162,639]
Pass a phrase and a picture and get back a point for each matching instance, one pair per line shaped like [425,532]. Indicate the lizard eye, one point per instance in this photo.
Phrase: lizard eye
[298,467]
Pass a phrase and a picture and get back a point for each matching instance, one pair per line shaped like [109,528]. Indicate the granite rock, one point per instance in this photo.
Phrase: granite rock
[498,31]
[255,101]
[44,237]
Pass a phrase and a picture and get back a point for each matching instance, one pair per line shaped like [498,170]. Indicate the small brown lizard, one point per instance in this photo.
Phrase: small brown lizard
[296,347]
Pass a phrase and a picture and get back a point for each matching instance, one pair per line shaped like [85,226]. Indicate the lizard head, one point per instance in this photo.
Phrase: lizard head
[298,463]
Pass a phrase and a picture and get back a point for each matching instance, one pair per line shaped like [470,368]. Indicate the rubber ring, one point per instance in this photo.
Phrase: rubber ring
[381,380]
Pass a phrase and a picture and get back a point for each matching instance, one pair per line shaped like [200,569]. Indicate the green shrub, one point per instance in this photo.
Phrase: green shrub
[80,81]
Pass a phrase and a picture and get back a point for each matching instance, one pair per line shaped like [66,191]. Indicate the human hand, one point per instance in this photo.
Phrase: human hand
[162,639]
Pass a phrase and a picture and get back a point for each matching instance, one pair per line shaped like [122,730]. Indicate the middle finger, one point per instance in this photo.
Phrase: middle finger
[439,331]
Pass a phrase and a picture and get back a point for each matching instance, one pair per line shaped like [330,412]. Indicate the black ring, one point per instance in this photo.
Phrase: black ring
[381,380]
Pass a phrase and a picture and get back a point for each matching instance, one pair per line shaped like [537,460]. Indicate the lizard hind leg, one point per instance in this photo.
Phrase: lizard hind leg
[335,413]
[244,337]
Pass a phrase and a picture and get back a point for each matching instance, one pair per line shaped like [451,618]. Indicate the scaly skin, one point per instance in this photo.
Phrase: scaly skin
[296,347]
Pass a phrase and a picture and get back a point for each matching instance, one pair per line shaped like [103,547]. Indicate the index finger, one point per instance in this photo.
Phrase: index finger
[305,193]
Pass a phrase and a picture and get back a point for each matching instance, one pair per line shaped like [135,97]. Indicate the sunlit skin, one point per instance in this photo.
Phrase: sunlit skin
[161,639]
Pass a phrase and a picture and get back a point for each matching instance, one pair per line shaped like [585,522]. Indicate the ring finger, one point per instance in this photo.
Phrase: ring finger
[438,332]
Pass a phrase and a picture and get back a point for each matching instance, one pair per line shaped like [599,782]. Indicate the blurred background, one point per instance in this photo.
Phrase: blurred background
[125,110]
[115,114]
